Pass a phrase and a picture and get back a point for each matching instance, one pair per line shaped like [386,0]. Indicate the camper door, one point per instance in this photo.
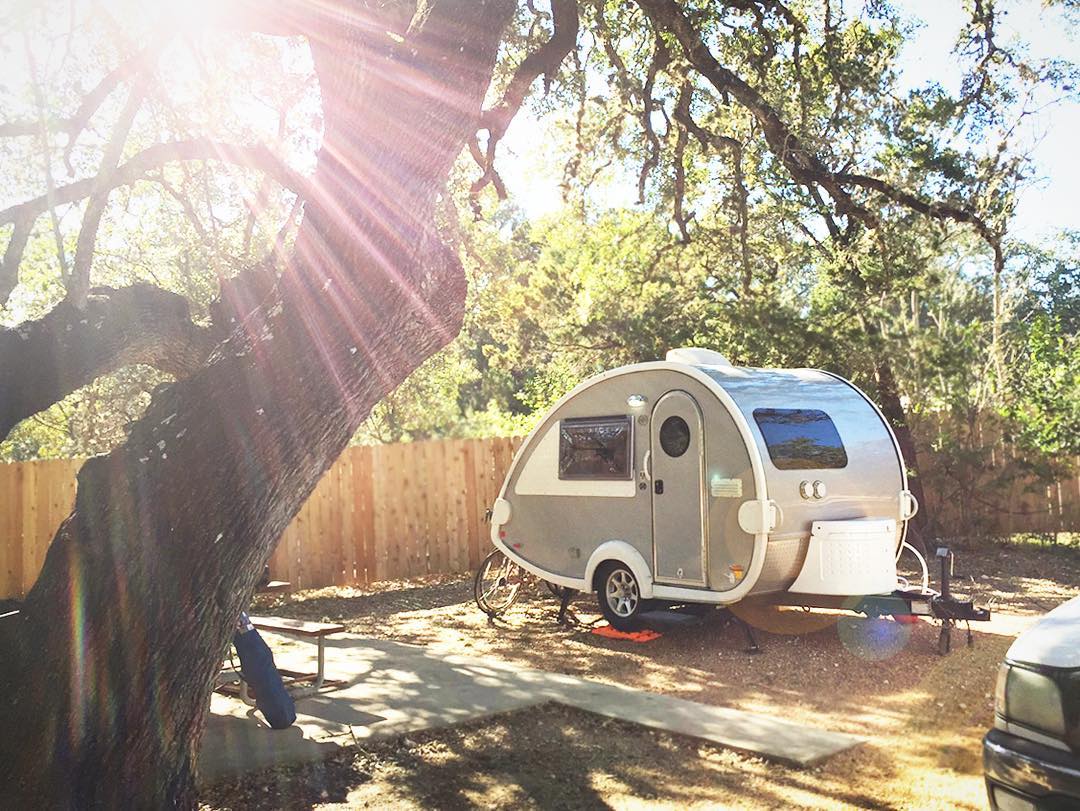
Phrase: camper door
[677,454]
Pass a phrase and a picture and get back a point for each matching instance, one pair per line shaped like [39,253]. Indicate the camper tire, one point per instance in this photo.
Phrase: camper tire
[619,595]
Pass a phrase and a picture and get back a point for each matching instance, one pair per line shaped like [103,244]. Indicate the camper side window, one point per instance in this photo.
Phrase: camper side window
[595,448]
[800,438]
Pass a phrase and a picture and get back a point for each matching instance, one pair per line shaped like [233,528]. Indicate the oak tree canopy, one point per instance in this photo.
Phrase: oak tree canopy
[258,203]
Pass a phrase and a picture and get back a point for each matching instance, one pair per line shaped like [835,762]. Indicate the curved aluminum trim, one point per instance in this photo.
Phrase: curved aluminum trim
[624,553]
[892,435]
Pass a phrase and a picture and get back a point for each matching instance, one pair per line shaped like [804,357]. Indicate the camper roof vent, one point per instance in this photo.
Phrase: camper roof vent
[697,357]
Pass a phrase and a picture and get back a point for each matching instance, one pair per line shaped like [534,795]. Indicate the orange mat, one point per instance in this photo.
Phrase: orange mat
[632,636]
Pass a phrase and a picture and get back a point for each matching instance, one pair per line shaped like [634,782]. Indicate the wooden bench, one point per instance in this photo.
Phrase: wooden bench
[318,631]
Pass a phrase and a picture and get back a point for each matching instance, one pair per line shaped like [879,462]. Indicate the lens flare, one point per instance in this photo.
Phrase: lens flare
[873,638]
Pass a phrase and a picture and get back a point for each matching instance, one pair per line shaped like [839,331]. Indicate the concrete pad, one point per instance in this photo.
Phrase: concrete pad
[237,740]
[395,688]
[795,744]
[784,741]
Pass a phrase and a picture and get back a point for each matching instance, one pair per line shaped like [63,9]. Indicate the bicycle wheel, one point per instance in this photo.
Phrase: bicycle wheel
[497,584]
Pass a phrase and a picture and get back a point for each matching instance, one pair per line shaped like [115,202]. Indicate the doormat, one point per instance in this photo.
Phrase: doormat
[632,636]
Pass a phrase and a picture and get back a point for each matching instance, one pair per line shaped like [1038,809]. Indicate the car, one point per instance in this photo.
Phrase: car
[1031,758]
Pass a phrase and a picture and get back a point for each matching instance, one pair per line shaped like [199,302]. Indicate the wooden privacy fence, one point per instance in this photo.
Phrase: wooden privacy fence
[979,483]
[380,512]
[389,511]
[34,498]
[392,511]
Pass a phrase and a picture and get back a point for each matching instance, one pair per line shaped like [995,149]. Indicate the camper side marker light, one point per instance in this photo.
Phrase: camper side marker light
[500,511]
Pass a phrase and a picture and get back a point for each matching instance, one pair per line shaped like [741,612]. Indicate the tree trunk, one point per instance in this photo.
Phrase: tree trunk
[107,668]
[891,407]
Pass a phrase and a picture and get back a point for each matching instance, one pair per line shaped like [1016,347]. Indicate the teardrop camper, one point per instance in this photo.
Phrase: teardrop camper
[690,480]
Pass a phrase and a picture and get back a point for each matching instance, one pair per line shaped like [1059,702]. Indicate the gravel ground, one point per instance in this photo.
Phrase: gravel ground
[924,715]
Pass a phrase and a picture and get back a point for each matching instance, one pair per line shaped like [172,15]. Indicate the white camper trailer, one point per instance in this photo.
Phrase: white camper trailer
[690,480]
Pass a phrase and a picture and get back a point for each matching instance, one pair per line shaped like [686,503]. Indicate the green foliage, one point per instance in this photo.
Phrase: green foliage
[89,421]
[773,274]
[1048,406]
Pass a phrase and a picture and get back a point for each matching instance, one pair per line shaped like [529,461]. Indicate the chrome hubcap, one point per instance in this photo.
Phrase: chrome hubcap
[622,593]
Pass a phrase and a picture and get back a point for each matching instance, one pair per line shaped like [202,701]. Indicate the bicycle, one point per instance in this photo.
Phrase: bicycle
[498,584]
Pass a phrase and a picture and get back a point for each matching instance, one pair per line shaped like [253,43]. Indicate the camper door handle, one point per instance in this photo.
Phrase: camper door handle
[658,487]
[646,466]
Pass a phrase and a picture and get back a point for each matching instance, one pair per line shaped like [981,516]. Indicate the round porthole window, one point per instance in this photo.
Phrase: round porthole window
[674,436]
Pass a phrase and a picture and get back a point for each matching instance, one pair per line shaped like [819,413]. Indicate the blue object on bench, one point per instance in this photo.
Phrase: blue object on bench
[258,669]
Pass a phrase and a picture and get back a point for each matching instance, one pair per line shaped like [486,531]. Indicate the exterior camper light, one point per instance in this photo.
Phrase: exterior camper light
[637,401]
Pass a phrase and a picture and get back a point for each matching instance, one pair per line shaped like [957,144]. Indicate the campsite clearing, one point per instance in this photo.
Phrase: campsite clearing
[923,715]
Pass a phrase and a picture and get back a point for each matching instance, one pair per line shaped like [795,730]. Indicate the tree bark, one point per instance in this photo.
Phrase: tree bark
[107,668]
[45,360]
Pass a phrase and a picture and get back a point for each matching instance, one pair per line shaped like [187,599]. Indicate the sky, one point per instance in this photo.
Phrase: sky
[1046,207]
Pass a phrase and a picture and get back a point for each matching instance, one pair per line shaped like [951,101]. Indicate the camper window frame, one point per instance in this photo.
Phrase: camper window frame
[620,420]
[786,462]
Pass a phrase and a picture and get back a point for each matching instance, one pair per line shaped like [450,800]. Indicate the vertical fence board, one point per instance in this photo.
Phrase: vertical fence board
[32,550]
[365,540]
[427,553]
[11,537]
[437,511]
[472,521]
[456,522]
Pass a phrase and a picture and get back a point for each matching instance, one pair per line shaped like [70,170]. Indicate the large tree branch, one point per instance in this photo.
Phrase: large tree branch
[930,208]
[23,215]
[801,162]
[544,60]
[661,59]
[79,283]
[75,123]
[43,361]
[154,157]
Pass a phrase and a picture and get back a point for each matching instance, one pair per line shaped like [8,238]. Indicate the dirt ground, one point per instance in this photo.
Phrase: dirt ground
[923,715]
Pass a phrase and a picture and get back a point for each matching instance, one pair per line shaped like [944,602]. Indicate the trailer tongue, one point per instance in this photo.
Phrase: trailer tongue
[910,602]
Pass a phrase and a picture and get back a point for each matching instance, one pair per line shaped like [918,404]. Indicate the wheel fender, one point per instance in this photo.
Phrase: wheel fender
[624,553]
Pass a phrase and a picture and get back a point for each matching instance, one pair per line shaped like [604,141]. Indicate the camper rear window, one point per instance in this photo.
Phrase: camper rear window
[595,448]
[800,438]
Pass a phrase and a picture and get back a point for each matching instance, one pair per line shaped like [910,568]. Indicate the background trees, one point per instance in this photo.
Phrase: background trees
[234,228]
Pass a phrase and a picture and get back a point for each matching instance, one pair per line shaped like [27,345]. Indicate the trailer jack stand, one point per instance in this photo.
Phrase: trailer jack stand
[944,644]
[564,601]
[752,646]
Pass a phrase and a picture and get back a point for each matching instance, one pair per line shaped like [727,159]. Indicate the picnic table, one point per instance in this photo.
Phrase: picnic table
[231,680]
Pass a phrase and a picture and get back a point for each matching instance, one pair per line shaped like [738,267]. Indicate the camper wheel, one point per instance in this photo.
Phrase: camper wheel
[619,595]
